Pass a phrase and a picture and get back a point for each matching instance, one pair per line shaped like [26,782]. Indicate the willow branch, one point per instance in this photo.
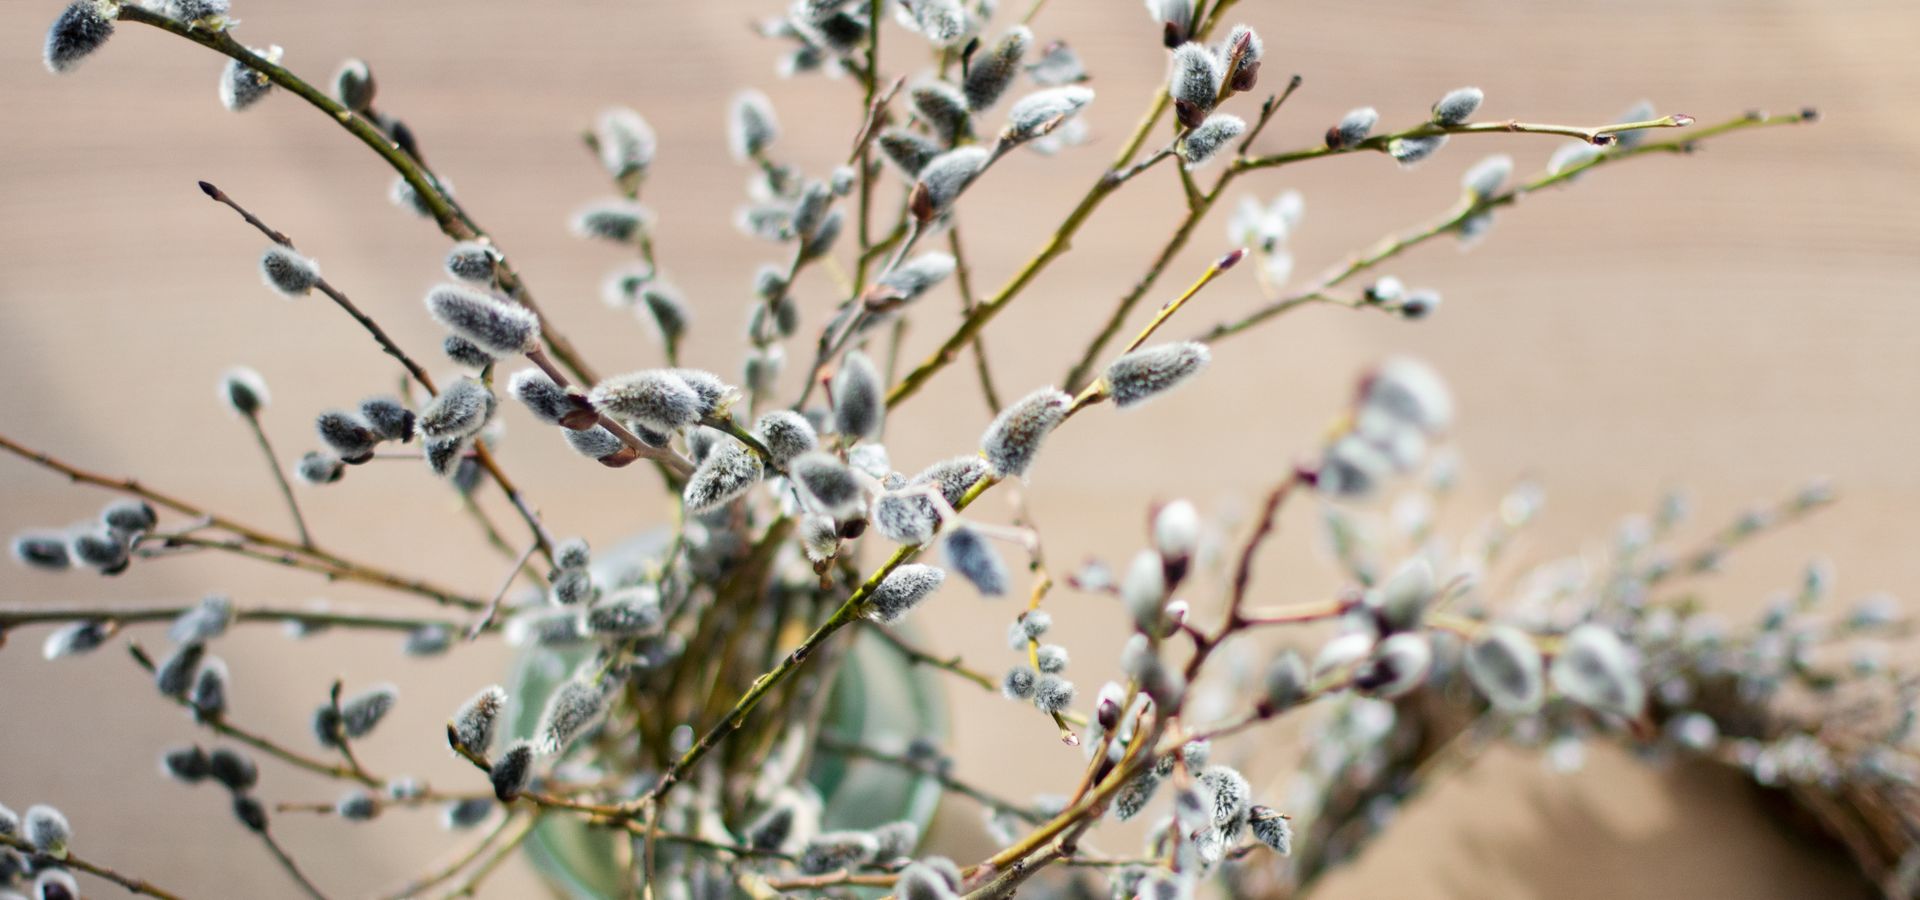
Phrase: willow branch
[136,885]
[143,615]
[279,477]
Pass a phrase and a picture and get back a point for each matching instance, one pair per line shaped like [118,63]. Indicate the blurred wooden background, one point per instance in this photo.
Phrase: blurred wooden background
[1735,322]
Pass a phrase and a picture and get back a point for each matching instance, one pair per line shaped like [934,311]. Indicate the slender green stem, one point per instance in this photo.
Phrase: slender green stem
[292,868]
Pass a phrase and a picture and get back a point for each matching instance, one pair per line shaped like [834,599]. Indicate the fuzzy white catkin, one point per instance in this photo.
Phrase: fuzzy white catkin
[244,391]
[908,151]
[974,558]
[827,483]
[1410,150]
[1149,371]
[1176,530]
[903,589]
[944,22]
[786,434]
[994,69]
[1597,670]
[1412,392]
[461,410]
[1402,599]
[1504,663]
[657,398]
[1353,127]
[474,722]
[82,28]
[837,850]
[47,830]
[1457,106]
[1487,176]
[953,476]
[859,398]
[497,326]
[615,219]
[361,713]
[907,517]
[1205,142]
[943,108]
[751,127]
[912,278]
[1193,81]
[1399,665]
[573,707]
[1013,439]
[728,472]
[288,273]
[946,175]
[627,142]
[241,86]
[1041,112]
[353,85]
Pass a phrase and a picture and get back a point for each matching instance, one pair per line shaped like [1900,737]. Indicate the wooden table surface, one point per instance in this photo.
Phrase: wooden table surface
[1734,321]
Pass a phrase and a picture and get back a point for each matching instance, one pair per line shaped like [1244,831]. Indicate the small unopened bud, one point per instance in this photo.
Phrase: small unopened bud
[1505,665]
[1420,304]
[1410,150]
[1107,706]
[243,390]
[597,443]
[1286,683]
[460,411]
[472,261]
[1596,669]
[1039,113]
[656,398]
[859,398]
[828,483]
[1175,18]
[837,850]
[1053,694]
[251,812]
[233,769]
[1487,176]
[902,590]
[129,517]
[1013,439]
[1399,664]
[1150,371]
[954,477]
[943,108]
[909,151]
[572,709]
[1144,591]
[495,326]
[626,142]
[974,558]
[1053,658]
[512,770]
[353,85]
[47,552]
[187,764]
[1176,530]
[943,178]
[1242,52]
[47,830]
[241,85]
[81,29]
[474,722]
[993,70]
[752,127]
[618,220]
[288,273]
[729,470]
[388,418]
[174,676]
[347,434]
[1271,828]
[357,805]
[787,435]
[820,538]
[1352,128]
[1402,600]
[319,467]
[549,402]
[208,697]
[100,549]
[464,814]
[361,712]
[1202,144]
[1457,106]
[1019,683]
[1194,83]
[666,310]
[76,639]
[635,610]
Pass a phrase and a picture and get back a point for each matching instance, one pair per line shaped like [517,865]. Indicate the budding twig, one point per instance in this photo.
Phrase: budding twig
[136,885]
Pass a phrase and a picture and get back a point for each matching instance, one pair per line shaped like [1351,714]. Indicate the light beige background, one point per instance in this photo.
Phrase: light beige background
[1734,321]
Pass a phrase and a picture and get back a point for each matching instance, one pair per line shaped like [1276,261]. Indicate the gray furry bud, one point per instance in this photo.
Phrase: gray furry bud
[1134,795]
[1053,694]
[570,587]
[1193,83]
[403,195]
[1053,658]
[1242,52]
[820,538]
[1505,665]
[970,555]
[1400,602]
[859,398]
[251,812]
[1039,113]
[463,814]
[174,676]
[1487,176]
[635,610]
[549,402]
[1410,392]
[460,411]
[993,70]
[1013,439]
[572,553]
[837,850]
[1144,590]
[474,722]
[572,709]
[787,435]
[1230,794]
[902,590]
[208,696]
[1410,150]
[909,151]
[751,127]
[1271,828]
[47,552]
[317,467]
[353,85]
[243,390]
[363,711]
[233,769]
[666,310]
[472,261]
[496,326]
[47,830]
[657,398]
[288,273]
[241,86]
[465,352]
[512,771]
[347,434]
[828,483]
[357,805]
[943,108]
[912,278]
[626,141]
[1286,682]
[1353,128]
[907,517]
[187,765]
[617,219]
[1399,665]
[1457,106]
[1420,303]
[1202,144]
[101,550]
[896,839]
[427,640]
[1145,373]
[596,443]
[389,419]
[129,517]
[1019,683]
[81,29]
[944,177]
[1596,669]
[954,477]
[821,240]
[729,470]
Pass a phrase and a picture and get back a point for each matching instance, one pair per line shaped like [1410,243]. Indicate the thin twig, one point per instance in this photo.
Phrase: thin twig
[136,885]
[487,618]
[285,859]
[280,478]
